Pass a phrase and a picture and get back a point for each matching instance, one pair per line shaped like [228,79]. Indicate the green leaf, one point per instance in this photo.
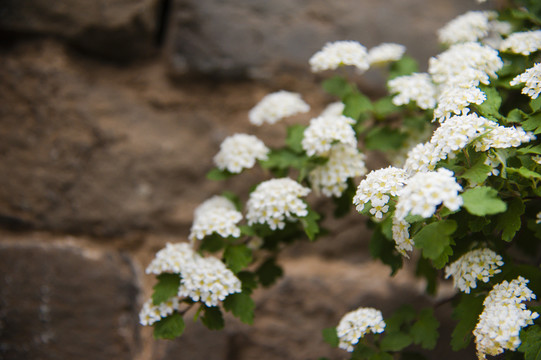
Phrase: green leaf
[217,174]
[535,104]
[532,149]
[284,159]
[405,66]
[166,287]
[531,343]
[237,257]
[467,313]
[330,336]
[491,106]
[248,280]
[426,270]
[516,116]
[483,200]
[395,341]
[338,86]
[355,104]
[434,238]
[382,356]
[269,272]
[443,259]
[310,224]
[212,243]
[533,123]
[510,221]
[169,327]
[384,107]
[295,134]
[242,306]
[383,249]
[362,352]
[343,203]
[213,318]
[231,196]
[425,330]
[384,138]
[525,172]
[403,315]
[478,172]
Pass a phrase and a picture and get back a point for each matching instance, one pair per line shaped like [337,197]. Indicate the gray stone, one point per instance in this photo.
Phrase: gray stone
[65,302]
[258,38]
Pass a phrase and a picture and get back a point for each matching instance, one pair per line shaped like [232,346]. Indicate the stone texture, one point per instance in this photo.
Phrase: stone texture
[64,302]
[116,29]
[259,38]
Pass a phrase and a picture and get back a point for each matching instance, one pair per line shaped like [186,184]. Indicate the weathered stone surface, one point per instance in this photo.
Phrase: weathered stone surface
[119,29]
[259,37]
[65,302]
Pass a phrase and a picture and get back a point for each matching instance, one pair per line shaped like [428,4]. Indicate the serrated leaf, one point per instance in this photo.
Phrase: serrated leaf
[467,313]
[491,106]
[212,243]
[533,123]
[395,341]
[510,221]
[248,280]
[516,116]
[383,249]
[483,200]
[283,159]
[295,134]
[362,352]
[242,306]
[310,224]
[535,104]
[217,174]
[166,287]
[213,318]
[525,173]
[426,270]
[478,172]
[384,107]
[269,272]
[337,86]
[434,238]
[169,327]
[344,202]
[531,343]
[530,150]
[425,330]
[384,138]
[355,104]
[401,316]
[237,257]
[405,66]
[443,259]
[330,336]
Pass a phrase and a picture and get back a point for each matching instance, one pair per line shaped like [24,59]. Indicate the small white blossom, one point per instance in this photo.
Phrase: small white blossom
[151,313]
[416,87]
[215,215]
[385,53]
[455,99]
[501,137]
[275,201]
[503,317]
[276,106]
[240,151]
[532,79]
[425,191]
[377,189]
[355,324]
[402,237]
[480,264]
[171,259]
[331,178]
[471,26]
[523,43]
[422,158]
[340,53]
[324,131]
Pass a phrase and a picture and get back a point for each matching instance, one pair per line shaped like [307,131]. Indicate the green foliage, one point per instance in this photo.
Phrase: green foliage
[212,317]
[217,174]
[384,138]
[330,336]
[295,134]
[237,257]
[338,86]
[425,330]
[491,106]
[483,200]
[169,327]
[166,287]
[478,172]
[510,221]
[405,66]
[248,280]
[383,248]
[310,224]
[355,104]
[531,343]
[435,240]
[466,311]
[241,305]
[269,272]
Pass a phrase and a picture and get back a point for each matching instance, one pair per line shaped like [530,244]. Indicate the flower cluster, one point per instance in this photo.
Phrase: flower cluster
[480,264]
[377,188]
[532,80]
[425,191]
[344,162]
[416,87]
[323,131]
[455,99]
[202,279]
[471,26]
[333,109]
[502,137]
[275,201]
[276,106]
[355,324]
[523,43]
[340,53]
[503,317]
[385,53]
[151,313]
[401,236]
[215,215]
[240,151]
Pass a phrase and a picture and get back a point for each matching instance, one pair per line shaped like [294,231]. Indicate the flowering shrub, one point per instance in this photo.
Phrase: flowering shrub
[461,198]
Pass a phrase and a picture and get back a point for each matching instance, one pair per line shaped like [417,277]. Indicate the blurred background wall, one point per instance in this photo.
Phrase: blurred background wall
[110,113]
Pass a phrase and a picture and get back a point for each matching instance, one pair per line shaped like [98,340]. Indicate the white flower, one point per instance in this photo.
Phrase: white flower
[385,53]
[340,53]
[503,317]
[401,236]
[416,87]
[465,62]
[471,26]
[215,215]
[151,313]
[355,324]
[324,131]
[276,106]
[538,218]
[377,189]
[455,99]
[480,264]
[523,43]
[333,109]
[331,178]
[171,259]
[240,151]
[275,201]
[532,79]
[422,158]
[501,137]
[425,191]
